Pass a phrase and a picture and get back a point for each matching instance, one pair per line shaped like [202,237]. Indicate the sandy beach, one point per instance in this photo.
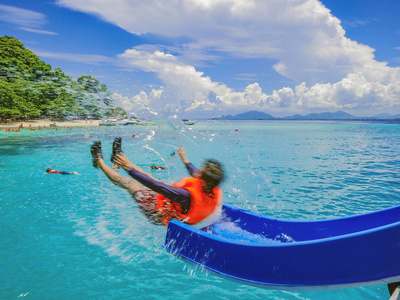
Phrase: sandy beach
[47,123]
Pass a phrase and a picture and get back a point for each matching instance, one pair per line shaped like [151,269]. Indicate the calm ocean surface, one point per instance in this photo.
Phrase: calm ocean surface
[81,237]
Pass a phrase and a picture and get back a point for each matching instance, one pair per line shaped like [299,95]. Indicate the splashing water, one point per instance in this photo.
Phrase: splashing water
[232,232]
[82,237]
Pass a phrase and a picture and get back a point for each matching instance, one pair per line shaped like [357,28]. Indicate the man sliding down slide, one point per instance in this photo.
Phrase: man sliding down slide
[195,200]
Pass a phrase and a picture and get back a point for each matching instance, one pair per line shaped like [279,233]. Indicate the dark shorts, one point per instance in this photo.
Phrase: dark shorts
[147,201]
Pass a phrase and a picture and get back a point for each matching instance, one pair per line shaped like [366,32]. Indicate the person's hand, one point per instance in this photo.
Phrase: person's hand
[122,160]
[182,155]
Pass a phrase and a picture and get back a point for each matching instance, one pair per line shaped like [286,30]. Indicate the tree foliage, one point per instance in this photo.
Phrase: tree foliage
[30,87]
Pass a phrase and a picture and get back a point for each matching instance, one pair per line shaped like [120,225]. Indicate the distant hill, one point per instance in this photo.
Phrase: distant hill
[385,117]
[257,115]
[250,115]
[339,115]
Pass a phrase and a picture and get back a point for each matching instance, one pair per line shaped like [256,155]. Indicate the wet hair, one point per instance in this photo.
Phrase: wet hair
[212,173]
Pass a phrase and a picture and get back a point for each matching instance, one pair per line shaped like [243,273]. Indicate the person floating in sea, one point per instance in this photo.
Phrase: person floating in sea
[49,170]
[154,167]
[195,200]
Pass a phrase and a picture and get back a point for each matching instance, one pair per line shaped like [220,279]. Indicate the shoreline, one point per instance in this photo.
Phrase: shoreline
[47,123]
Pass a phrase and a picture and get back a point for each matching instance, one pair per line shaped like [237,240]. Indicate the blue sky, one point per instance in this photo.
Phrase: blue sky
[205,58]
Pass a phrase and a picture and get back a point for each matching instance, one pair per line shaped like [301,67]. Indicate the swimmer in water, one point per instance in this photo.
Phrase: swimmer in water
[195,200]
[154,167]
[49,170]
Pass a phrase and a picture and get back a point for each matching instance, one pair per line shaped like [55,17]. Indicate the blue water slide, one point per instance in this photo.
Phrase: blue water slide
[294,255]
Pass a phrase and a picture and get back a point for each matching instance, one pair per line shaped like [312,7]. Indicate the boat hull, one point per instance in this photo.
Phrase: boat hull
[338,253]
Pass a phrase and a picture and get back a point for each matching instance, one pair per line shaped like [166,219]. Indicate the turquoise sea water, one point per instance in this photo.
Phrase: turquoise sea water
[81,237]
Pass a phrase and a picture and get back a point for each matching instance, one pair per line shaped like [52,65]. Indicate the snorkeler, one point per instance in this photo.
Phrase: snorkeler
[154,167]
[49,170]
[195,200]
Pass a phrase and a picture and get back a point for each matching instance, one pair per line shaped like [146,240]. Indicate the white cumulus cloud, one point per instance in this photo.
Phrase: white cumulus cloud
[190,91]
[302,35]
[305,40]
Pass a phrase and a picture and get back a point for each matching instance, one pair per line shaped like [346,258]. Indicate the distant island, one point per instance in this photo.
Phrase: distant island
[250,115]
[339,115]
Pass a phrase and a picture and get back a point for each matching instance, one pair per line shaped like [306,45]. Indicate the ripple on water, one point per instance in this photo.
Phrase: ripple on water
[82,237]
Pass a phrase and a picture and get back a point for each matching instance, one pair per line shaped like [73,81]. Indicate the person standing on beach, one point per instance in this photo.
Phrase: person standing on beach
[195,200]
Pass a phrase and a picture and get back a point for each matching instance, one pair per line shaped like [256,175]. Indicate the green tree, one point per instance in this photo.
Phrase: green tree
[17,60]
[13,101]
[63,105]
[29,86]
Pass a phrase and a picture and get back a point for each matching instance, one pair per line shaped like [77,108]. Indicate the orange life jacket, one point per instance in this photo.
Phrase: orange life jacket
[201,204]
